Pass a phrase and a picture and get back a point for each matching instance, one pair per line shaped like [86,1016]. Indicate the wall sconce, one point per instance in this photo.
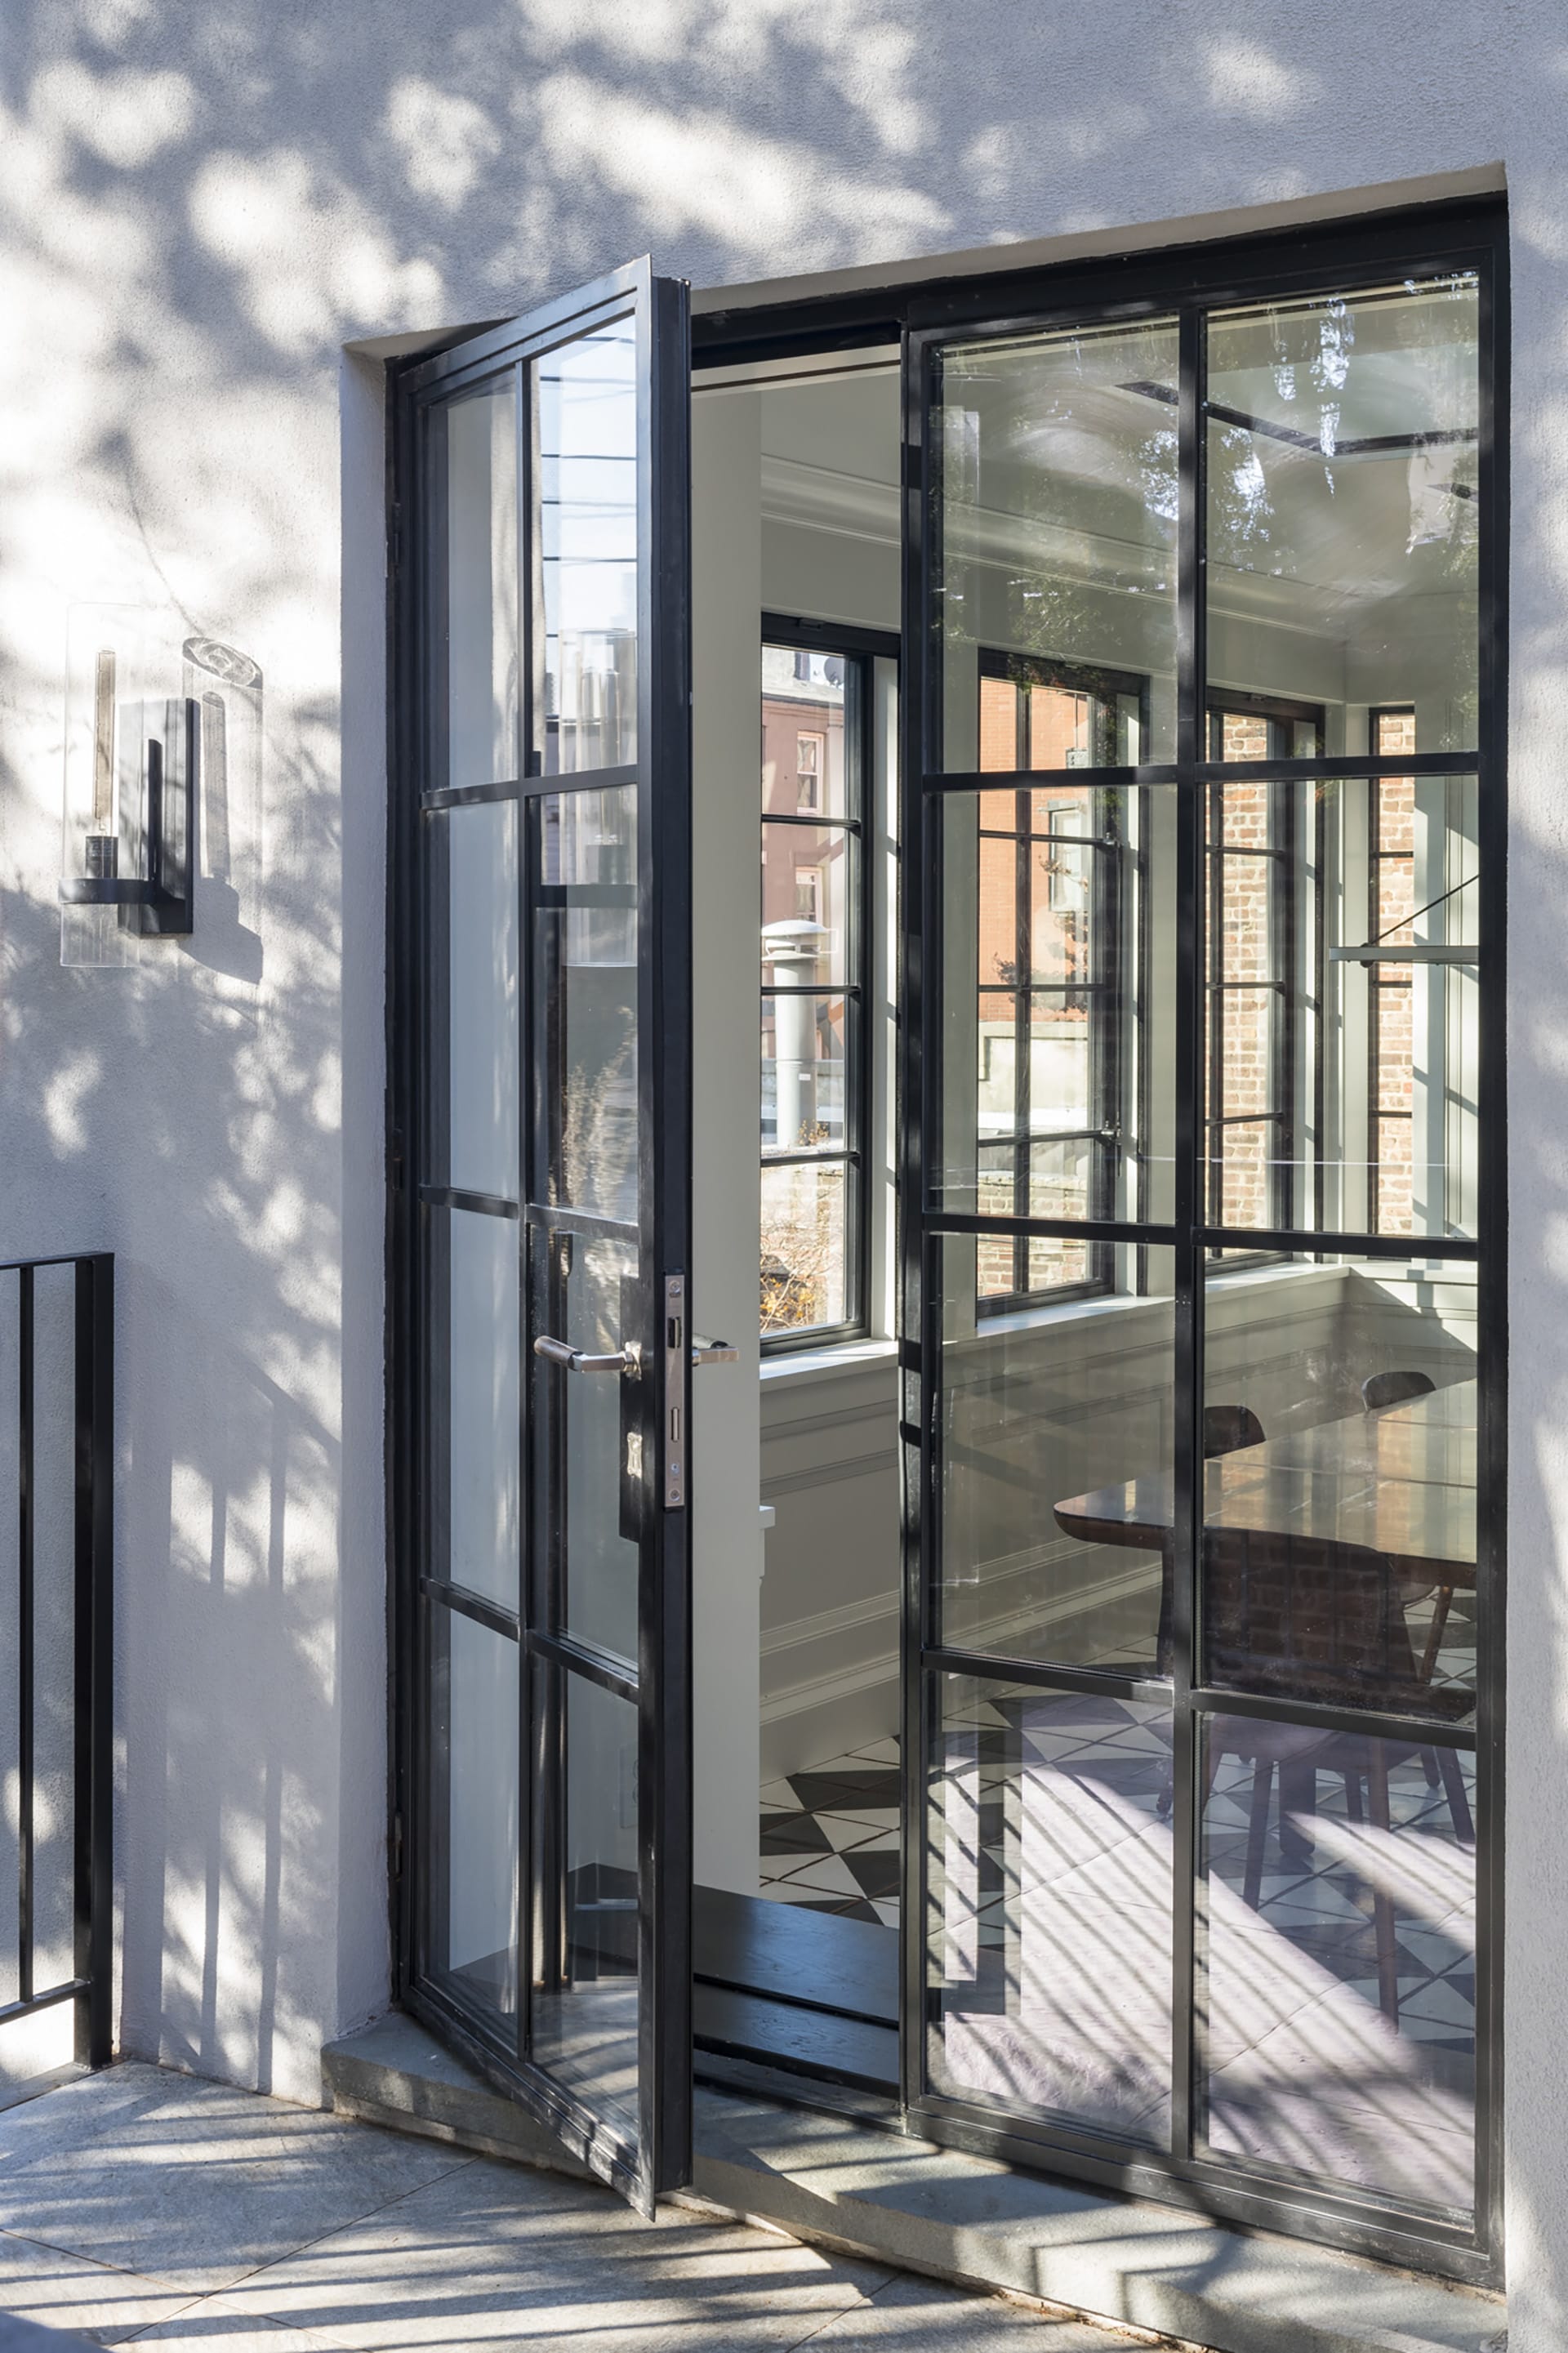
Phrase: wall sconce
[131,800]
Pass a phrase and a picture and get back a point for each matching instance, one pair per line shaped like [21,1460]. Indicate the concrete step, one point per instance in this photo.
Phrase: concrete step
[1122,2260]
[840,2183]
[395,2072]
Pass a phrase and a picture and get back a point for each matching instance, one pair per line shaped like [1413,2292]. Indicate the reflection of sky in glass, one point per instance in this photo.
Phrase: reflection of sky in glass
[588,449]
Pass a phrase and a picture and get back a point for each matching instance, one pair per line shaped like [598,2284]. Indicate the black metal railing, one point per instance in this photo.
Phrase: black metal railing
[57,1456]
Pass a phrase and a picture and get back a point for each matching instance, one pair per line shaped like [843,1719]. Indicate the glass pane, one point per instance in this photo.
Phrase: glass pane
[808,900]
[1054,1453]
[804,1045]
[1051,1262]
[1342,1081]
[475,622]
[474,1501]
[1054,537]
[589,1428]
[1340,1424]
[472,856]
[802,1248]
[586,535]
[1058,997]
[1336,1994]
[471,1912]
[1343,506]
[804,769]
[585,998]
[585,2010]
[1048,1939]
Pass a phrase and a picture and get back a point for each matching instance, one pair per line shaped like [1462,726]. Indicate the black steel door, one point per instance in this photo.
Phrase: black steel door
[541,936]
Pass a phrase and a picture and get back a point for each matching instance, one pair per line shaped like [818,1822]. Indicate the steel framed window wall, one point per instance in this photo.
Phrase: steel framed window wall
[1433,244]
[858,648]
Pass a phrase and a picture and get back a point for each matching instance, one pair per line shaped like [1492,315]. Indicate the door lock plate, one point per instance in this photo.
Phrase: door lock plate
[677,1357]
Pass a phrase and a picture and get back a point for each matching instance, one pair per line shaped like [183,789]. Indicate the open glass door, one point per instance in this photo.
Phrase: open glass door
[544,1801]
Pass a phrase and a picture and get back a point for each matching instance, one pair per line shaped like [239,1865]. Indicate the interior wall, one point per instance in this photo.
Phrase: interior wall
[830,1594]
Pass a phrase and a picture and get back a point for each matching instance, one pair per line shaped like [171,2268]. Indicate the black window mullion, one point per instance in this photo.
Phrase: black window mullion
[1183,1635]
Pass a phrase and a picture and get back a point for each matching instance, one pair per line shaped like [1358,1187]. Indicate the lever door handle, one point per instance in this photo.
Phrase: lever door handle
[712,1352]
[574,1360]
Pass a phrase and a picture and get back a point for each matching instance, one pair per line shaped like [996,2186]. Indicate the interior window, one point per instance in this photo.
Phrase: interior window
[1261,874]
[1391,1020]
[814,951]
[1055,947]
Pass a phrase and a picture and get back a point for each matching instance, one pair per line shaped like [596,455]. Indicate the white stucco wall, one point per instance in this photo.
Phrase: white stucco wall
[198,208]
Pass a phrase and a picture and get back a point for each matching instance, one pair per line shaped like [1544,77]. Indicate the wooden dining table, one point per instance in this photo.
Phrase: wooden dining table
[1400,1484]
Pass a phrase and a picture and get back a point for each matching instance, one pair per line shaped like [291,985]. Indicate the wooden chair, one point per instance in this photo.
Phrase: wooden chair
[1308,1619]
[1228,1428]
[1381,1390]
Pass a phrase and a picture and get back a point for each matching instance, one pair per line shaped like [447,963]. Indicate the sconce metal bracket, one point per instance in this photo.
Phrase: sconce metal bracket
[158,831]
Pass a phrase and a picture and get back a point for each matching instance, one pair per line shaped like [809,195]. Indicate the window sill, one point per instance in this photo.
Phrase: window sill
[820,1364]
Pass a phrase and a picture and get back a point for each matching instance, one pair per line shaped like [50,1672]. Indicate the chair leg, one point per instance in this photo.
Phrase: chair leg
[1384,1931]
[1298,1798]
[1435,1638]
[1355,1811]
[1429,1768]
[1458,1803]
[1257,1831]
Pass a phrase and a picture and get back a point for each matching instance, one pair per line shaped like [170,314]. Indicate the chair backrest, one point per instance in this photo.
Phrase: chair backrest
[1391,1388]
[1227,1427]
[1306,1616]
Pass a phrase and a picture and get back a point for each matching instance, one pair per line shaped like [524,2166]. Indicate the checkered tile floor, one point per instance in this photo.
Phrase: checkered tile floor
[1315,1894]
[829,1837]
[829,1840]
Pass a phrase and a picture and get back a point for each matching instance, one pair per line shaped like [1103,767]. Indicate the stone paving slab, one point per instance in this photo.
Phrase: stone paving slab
[303,2232]
[63,2291]
[190,2183]
[28,2336]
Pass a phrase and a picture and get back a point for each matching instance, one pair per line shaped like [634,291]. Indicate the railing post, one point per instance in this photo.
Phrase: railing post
[27,1631]
[94,1859]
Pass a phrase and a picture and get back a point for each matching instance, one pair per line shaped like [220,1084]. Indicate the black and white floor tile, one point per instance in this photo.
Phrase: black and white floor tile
[829,1836]
[829,1840]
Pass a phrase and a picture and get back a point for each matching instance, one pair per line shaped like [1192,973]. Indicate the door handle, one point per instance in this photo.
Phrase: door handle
[712,1352]
[574,1360]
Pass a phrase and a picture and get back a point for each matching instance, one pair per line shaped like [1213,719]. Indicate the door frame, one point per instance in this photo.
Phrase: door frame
[804,324]
[661,2160]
